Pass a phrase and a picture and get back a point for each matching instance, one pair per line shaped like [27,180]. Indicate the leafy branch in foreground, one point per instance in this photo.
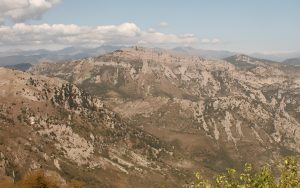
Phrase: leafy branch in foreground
[263,178]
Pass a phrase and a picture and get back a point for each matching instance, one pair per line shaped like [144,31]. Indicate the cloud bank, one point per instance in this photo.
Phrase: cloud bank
[43,35]
[21,35]
[21,10]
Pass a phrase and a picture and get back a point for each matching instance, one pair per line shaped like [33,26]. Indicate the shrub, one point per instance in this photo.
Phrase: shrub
[74,184]
[6,182]
[263,178]
[38,179]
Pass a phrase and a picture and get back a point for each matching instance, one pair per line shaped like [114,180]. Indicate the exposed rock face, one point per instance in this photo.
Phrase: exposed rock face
[219,113]
[51,124]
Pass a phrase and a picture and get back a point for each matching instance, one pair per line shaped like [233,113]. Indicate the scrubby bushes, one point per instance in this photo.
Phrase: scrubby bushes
[263,178]
[248,178]
[38,179]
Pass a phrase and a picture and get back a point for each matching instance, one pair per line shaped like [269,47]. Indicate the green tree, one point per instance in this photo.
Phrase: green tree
[263,178]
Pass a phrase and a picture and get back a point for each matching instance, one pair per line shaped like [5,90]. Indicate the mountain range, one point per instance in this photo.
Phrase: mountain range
[143,117]
[37,56]
[13,57]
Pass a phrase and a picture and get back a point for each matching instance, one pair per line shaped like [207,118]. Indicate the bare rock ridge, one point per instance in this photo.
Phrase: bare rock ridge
[51,124]
[217,111]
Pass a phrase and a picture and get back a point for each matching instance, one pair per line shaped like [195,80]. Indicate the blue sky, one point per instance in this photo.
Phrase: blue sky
[239,25]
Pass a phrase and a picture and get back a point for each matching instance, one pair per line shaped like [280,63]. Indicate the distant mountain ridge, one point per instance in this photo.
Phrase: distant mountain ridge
[245,62]
[21,66]
[72,53]
[293,61]
[215,54]
[38,56]
[279,57]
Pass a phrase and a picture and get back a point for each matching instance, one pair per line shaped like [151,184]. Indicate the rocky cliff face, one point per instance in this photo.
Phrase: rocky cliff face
[218,113]
[51,124]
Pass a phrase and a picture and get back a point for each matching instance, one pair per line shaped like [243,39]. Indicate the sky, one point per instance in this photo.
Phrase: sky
[264,26]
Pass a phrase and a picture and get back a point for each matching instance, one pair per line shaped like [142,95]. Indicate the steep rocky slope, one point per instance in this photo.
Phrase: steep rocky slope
[218,113]
[51,124]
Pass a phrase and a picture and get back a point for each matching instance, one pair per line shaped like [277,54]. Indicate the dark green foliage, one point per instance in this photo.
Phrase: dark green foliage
[248,178]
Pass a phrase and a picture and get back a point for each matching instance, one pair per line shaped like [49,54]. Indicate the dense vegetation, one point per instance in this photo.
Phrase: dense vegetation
[263,178]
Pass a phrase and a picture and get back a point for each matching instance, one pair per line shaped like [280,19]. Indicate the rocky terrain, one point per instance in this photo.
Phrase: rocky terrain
[51,124]
[156,116]
[217,112]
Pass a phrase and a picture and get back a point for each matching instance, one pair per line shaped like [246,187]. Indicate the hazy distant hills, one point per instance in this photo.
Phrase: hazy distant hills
[21,66]
[280,57]
[203,53]
[73,53]
[222,54]
[38,56]
[246,62]
[293,61]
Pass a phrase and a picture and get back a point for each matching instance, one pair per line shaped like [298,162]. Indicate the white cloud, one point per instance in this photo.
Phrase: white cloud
[205,40]
[21,10]
[23,35]
[216,41]
[151,30]
[211,41]
[163,24]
